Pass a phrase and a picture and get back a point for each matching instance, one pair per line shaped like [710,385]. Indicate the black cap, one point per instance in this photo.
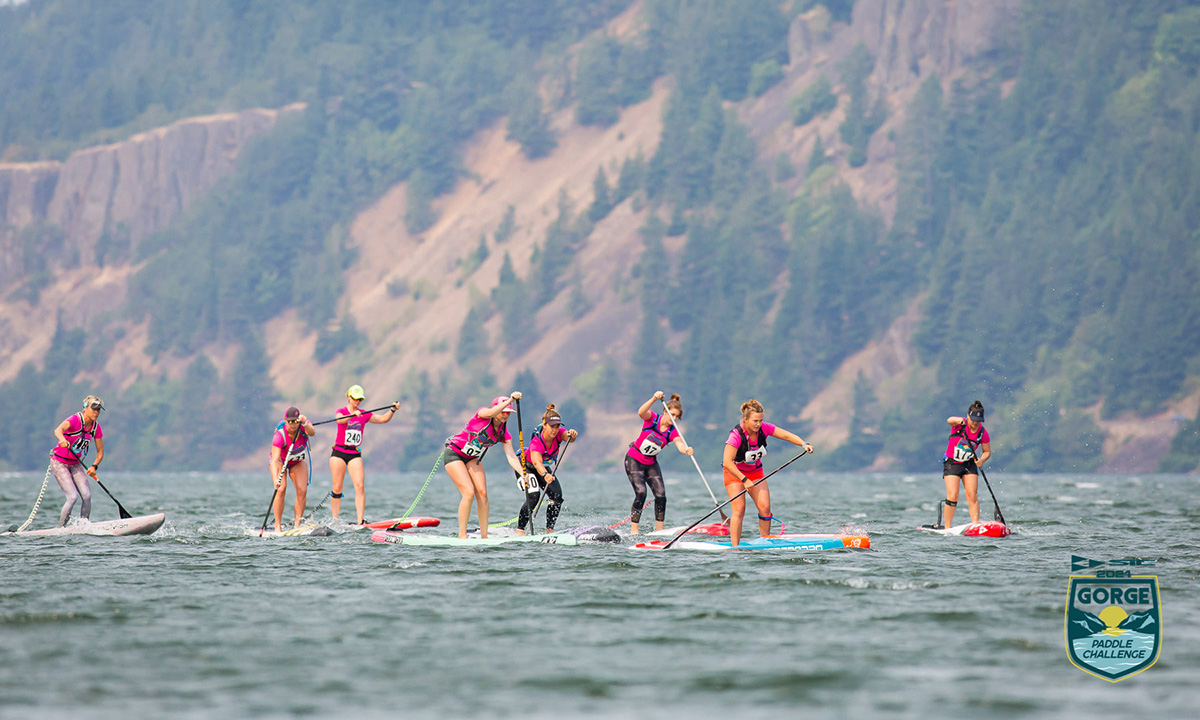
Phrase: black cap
[292,413]
[554,419]
[976,415]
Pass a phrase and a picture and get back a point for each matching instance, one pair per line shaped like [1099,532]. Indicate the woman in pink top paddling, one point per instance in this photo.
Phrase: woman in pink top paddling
[548,439]
[744,451]
[290,446]
[969,447]
[641,461]
[465,450]
[75,436]
[347,450]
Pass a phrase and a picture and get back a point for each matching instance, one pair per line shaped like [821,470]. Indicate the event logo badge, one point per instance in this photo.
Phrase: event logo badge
[1113,622]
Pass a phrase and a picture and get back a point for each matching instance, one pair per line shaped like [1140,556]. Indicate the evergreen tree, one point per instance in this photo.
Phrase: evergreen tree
[602,203]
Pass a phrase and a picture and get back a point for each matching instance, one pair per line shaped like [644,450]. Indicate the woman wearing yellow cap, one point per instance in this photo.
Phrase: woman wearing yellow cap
[347,450]
[75,436]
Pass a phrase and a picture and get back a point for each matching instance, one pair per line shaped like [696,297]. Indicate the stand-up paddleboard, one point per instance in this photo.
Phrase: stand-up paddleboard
[306,530]
[141,525]
[401,523]
[588,535]
[986,528]
[772,542]
[594,535]
[403,538]
[714,529]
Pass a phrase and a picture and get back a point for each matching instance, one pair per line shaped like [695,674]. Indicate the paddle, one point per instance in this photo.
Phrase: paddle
[542,491]
[120,509]
[996,513]
[344,417]
[313,512]
[614,526]
[279,481]
[735,497]
[667,410]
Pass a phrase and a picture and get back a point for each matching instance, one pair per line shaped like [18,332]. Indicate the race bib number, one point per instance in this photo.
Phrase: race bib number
[298,457]
[353,437]
[963,454]
[528,484]
[80,447]
[472,449]
[754,456]
[649,448]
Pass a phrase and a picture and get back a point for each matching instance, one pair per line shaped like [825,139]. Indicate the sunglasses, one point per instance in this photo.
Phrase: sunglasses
[293,422]
[96,405]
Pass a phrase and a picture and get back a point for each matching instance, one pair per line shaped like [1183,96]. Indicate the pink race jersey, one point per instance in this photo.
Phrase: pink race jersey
[80,439]
[756,446]
[299,451]
[350,433]
[650,441]
[479,435]
[548,450]
[958,448]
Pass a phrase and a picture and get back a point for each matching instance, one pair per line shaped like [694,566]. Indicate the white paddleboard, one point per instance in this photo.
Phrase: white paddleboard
[306,530]
[402,538]
[141,525]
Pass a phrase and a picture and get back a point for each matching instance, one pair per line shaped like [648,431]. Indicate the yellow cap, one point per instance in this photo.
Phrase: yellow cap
[356,393]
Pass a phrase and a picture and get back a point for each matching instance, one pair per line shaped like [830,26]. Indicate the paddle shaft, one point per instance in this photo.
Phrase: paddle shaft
[279,480]
[995,502]
[735,497]
[346,417]
[667,410]
[627,519]
[120,508]
[542,491]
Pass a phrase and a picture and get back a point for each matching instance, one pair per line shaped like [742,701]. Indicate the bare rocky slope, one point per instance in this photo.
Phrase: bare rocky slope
[410,295]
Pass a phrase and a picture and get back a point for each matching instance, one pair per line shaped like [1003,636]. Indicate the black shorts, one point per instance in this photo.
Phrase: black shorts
[949,467]
[344,456]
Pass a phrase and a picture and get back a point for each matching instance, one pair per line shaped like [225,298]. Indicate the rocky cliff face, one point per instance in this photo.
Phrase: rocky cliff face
[53,216]
[135,187]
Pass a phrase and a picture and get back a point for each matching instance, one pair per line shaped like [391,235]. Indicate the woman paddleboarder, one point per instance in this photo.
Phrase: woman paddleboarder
[465,450]
[347,451]
[75,437]
[543,450]
[744,451]
[290,446]
[969,441]
[641,462]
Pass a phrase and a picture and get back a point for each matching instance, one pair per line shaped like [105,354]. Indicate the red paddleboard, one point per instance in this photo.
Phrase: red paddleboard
[717,529]
[987,528]
[403,523]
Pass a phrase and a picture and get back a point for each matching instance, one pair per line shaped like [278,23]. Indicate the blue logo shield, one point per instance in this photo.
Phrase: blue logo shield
[1113,627]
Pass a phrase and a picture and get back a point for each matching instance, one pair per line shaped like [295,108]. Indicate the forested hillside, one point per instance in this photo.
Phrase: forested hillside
[1046,222]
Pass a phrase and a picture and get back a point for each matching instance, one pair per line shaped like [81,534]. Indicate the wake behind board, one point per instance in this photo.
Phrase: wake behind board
[306,530]
[986,528]
[791,541]
[141,525]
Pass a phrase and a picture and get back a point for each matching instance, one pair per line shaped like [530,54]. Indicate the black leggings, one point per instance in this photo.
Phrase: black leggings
[640,476]
[553,492]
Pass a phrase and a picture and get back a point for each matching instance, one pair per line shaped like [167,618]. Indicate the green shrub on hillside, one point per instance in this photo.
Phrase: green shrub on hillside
[817,99]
